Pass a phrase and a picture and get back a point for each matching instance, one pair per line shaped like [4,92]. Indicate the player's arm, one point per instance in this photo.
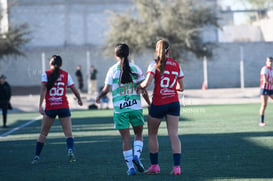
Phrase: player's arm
[265,79]
[148,80]
[146,96]
[77,94]
[103,92]
[42,97]
[180,85]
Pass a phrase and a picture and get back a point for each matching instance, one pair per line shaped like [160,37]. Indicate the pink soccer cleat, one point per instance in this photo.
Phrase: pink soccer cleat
[154,169]
[176,170]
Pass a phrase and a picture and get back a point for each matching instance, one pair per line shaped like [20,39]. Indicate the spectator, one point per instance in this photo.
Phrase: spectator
[93,80]
[79,77]
[5,95]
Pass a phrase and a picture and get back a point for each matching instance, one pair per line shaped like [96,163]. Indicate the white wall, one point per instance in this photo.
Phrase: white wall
[72,29]
[223,67]
[64,23]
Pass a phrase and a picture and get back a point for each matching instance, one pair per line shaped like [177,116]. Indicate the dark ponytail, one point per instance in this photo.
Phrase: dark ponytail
[56,61]
[122,51]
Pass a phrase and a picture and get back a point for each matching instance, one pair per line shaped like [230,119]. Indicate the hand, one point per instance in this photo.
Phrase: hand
[180,89]
[41,110]
[149,107]
[98,100]
[80,102]
[139,89]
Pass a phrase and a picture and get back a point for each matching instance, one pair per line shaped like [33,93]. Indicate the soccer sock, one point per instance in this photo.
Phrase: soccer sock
[128,157]
[154,158]
[138,145]
[39,147]
[262,118]
[70,143]
[176,159]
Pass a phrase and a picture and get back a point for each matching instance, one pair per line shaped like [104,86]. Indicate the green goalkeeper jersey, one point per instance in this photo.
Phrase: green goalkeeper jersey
[124,96]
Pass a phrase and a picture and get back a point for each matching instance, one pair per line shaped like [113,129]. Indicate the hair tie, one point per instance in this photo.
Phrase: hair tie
[166,50]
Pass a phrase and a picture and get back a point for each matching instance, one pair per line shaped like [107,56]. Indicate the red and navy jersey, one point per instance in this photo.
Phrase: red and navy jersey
[268,72]
[165,85]
[56,96]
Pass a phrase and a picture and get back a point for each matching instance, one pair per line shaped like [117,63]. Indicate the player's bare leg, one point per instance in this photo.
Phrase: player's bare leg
[67,129]
[127,150]
[153,125]
[46,125]
[172,126]
[264,100]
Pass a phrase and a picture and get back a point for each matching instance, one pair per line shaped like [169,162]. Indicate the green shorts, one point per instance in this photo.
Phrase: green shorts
[123,120]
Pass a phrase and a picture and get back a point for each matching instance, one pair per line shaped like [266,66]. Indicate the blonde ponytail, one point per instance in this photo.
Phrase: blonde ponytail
[162,49]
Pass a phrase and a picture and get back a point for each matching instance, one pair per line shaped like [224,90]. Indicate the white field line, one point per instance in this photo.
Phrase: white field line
[20,127]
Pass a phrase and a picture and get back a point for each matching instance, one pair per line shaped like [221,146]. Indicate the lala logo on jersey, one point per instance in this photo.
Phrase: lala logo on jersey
[127,103]
[167,92]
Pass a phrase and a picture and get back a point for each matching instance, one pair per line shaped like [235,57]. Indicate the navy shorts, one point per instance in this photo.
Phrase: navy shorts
[61,113]
[266,92]
[162,110]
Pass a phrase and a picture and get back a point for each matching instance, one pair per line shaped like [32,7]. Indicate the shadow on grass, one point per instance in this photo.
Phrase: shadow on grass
[98,149]
[226,156]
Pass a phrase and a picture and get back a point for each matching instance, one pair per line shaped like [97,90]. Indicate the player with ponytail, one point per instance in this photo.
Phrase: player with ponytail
[122,79]
[53,91]
[122,51]
[168,78]
[56,62]
[162,49]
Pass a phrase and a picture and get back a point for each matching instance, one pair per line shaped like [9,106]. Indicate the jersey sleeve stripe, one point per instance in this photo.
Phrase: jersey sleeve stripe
[150,72]
[70,85]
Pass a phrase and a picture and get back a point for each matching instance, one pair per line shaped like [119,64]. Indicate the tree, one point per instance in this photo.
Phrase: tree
[12,40]
[179,21]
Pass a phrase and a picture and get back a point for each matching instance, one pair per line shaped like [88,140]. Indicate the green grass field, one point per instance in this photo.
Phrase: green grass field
[219,142]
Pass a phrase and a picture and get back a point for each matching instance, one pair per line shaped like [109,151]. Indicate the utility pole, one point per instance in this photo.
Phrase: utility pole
[205,69]
[242,77]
